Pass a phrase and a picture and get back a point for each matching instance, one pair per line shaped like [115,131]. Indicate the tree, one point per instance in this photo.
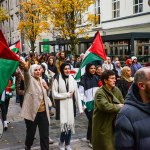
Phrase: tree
[3,15]
[66,17]
[31,22]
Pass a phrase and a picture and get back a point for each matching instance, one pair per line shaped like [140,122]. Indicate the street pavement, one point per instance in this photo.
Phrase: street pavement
[14,137]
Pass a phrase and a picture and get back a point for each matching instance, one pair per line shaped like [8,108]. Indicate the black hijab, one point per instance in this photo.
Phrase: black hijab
[87,69]
[63,65]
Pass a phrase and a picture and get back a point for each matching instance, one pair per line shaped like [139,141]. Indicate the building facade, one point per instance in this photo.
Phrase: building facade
[9,27]
[124,27]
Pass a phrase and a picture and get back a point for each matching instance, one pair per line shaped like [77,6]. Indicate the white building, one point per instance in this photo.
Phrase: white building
[124,26]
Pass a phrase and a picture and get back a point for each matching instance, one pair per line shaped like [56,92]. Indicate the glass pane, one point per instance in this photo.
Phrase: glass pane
[114,6]
[140,7]
[136,1]
[118,5]
[140,1]
[145,50]
[99,10]
[136,9]
[118,13]
[98,2]
[139,50]
[116,51]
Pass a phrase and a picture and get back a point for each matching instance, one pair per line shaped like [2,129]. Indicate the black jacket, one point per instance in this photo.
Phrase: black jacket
[132,131]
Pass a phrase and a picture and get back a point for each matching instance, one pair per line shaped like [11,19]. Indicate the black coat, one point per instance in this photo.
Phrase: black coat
[132,130]
[124,86]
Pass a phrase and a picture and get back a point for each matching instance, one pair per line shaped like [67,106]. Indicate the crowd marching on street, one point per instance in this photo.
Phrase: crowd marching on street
[114,95]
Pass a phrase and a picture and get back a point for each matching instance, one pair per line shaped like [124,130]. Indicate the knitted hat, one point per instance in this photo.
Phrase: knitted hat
[133,57]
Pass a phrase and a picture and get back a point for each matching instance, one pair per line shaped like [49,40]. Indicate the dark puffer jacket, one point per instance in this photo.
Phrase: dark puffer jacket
[132,131]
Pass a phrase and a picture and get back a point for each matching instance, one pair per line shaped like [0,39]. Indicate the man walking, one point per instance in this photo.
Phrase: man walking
[133,121]
[107,103]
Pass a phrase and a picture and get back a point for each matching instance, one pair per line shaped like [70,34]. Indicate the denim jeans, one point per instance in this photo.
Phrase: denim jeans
[65,137]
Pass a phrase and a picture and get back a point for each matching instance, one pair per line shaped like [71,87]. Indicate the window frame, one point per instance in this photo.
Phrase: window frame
[97,11]
[115,9]
[139,5]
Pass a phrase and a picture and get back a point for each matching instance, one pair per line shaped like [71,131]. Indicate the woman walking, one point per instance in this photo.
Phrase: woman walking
[88,87]
[35,109]
[65,92]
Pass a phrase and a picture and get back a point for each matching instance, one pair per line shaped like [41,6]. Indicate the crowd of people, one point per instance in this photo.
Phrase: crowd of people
[115,98]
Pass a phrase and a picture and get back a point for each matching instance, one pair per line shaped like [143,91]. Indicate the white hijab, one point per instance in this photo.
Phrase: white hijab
[33,67]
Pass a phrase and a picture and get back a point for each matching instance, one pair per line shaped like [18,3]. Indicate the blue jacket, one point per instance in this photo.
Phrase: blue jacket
[132,128]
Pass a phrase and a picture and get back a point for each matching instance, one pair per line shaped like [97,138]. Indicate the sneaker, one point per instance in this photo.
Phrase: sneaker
[51,141]
[68,147]
[5,125]
[61,146]
[90,145]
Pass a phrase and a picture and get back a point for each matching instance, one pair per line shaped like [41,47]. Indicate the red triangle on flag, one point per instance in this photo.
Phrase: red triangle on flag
[97,46]
[5,52]
[18,45]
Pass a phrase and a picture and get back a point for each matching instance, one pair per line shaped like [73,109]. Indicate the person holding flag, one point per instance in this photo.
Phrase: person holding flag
[88,86]
[95,52]
[89,83]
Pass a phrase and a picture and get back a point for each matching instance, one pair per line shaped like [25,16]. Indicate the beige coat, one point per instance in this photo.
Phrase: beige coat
[33,97]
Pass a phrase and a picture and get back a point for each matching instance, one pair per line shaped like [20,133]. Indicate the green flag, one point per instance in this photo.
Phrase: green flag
[7,68]
[9,62]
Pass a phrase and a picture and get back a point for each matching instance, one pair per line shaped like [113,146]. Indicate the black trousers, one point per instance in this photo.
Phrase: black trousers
[41,121]
[89,115]
[3,111]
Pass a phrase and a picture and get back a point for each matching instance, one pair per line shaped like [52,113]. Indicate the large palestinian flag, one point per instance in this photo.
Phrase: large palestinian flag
[95,52]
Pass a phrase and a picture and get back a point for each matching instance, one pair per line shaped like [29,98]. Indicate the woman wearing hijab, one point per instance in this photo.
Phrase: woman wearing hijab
[63,90]
[35,109]
[87,88]
[126,80]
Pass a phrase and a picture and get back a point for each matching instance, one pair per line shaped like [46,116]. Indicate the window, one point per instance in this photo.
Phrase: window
[79,19]
[137,6]
[97,11]
[115,8]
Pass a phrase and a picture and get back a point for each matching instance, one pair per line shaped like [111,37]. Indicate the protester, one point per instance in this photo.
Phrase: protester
[19,74]
[87,87]
[126,80]
[3,110]
[135,65]
[107,103]
[65,92]
[107,65]
[98,74]
[60,60]
[118,69]
[129,62]
[133,121]
[35,107]
[52,66]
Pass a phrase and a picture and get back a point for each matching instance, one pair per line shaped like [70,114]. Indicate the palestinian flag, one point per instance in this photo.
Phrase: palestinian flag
[16,47]
[95,52]
[9,62]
